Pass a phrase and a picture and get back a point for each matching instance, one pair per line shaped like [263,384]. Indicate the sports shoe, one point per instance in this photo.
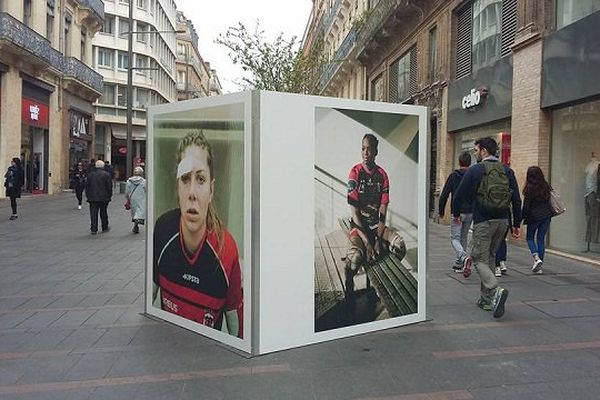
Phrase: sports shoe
[457,268]
[503,268]
[539,271]
[13,217]
[136,228]
[94,232]
[498,301]
[497,272]
[484,305]
[467,266]
[537,264]
[79,207]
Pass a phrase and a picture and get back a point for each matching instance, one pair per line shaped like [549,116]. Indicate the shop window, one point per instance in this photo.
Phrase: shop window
[108,94]
[574,174]
[569,11]
[99,142]
[105,57]
[403,77]
[109,25]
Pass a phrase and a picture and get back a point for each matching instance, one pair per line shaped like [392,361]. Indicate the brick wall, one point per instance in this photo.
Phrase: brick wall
[530,139]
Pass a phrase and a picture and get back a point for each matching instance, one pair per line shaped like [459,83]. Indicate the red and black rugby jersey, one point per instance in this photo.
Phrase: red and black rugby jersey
[198,287]
[367,190]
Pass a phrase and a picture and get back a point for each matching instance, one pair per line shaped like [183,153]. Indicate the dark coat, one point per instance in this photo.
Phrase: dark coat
[98,187]
[467,190]
[14,179]
[450,188]
[536,210]
[78,179]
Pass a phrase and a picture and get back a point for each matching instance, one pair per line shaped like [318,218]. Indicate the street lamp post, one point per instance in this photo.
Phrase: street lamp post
[129,155]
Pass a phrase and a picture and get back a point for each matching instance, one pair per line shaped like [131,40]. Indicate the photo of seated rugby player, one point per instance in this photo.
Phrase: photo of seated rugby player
[368,197]
[196,268]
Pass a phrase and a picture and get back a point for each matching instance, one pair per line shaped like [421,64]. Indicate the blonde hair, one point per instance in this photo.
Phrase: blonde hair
[139,171]
[197,138]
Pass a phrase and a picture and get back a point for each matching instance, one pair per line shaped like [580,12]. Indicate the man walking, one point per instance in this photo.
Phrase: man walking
[494,188]
[459,227]
[98,190]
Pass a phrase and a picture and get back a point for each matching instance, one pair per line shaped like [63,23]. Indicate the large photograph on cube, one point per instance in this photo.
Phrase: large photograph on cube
[198,236]
[366,180]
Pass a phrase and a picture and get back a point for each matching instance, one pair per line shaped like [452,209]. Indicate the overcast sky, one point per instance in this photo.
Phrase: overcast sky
[212,17]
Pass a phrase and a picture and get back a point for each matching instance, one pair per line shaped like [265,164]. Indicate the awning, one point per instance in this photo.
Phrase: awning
[120,132]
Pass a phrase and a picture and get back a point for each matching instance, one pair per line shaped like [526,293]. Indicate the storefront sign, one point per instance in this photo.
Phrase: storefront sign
[122,150]
[80,125]
[34,113]
[474,98]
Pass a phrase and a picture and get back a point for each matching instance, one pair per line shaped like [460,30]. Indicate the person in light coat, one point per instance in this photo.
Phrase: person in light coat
[135,192]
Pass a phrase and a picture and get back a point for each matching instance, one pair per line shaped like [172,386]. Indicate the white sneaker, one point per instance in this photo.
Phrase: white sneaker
[79,207]
[539,271]
[503,268]
[498,272]
[537,265]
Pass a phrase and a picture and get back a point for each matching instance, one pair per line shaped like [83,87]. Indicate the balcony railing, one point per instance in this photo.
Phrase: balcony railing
[375,21]
[340,56]
[27,40]
[331,15]
[97,6]
[78,70]
[22,36]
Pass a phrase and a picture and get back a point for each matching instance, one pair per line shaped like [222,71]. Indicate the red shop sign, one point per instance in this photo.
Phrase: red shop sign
[122,150]
[35,113]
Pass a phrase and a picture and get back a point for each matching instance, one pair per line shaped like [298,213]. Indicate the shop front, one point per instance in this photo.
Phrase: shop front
[479,106]
[571,92]
[35,122]
[80,137]
[119,149]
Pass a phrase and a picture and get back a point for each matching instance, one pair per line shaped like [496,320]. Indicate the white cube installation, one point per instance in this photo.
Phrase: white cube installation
[279,220]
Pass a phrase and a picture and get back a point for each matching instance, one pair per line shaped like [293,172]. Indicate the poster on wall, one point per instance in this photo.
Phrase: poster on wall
[366,217]
[198,259]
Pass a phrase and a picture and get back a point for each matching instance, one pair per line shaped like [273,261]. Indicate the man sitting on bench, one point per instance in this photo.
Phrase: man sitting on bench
[368,197]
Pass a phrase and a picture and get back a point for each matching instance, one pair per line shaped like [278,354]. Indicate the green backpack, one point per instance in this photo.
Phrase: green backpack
[494,190]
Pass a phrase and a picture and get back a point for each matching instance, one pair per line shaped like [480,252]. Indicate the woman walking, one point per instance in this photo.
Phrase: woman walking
[78,182]
[135,193]
[537,213]
[13,182]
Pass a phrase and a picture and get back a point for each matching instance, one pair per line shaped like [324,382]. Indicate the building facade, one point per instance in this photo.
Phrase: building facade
[193,74]
[332,30]
[154,71]
[47,86]
[520,71]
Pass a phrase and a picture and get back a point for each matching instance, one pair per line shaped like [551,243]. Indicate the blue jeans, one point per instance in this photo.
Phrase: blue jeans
[536,236]
[459,234]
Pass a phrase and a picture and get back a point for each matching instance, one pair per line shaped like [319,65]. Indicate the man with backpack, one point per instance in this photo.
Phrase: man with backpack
[494,188]
[459,227]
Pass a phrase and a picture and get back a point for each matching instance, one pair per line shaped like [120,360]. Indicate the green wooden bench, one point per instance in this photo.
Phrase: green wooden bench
[392,281]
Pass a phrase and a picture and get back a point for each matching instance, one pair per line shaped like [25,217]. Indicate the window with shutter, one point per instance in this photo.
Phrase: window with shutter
[403,77]
[464,23]
[509,25]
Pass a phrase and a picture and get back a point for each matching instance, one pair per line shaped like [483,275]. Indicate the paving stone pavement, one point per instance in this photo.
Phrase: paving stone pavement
[71,327]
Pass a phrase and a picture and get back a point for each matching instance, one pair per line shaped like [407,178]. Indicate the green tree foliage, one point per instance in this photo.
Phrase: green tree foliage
[277,65]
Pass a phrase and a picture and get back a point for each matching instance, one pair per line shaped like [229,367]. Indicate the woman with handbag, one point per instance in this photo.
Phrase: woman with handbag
[537,213]
[135,194]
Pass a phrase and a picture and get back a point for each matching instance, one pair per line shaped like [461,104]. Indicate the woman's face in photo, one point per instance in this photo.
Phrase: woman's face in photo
[195,188]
